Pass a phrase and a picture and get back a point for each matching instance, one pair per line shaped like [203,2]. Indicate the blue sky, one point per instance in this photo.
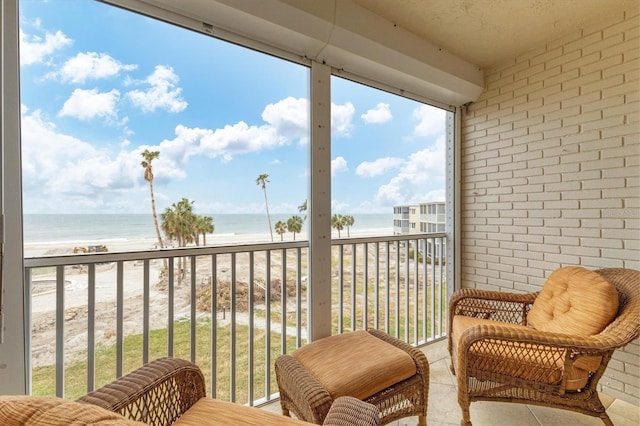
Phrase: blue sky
[98,90]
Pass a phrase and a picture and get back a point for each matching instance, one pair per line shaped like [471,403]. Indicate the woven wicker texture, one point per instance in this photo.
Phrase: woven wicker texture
[156,393]
[161,392]
[503,362]
[305,396]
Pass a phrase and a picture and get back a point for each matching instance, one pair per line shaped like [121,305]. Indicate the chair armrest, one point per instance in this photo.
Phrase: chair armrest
[296,384]
[349,411]
[156,393]
[472,298]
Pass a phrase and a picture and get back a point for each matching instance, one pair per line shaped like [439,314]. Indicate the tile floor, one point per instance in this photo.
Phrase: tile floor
[444,410]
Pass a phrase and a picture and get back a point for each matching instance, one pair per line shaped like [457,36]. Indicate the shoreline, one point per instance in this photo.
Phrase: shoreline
[118,245]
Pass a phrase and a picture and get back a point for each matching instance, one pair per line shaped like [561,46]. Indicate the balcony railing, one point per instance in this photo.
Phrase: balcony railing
[231,309]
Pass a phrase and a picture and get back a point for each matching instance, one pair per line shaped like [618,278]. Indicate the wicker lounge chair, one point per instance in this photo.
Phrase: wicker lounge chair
[500,353]
[167,391]
[369,365]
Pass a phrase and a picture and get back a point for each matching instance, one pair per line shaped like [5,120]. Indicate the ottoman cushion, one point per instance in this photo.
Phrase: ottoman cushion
[355,364]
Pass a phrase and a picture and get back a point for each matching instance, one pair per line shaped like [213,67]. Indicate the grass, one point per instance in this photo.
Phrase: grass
[43,378]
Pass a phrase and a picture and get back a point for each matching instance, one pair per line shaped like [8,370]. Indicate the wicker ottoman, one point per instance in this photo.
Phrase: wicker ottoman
[369,365]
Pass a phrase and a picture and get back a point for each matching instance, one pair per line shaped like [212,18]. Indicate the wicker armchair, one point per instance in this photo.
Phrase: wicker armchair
[499,358]
[164,391]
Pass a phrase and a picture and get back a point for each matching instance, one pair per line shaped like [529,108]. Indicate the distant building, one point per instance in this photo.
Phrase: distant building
[421,218]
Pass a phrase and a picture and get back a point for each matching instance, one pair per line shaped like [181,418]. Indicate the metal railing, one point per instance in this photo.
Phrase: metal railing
[232,309]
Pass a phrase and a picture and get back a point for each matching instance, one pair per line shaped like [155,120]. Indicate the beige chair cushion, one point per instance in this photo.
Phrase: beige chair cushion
[209,411]
[574,301]
[524,360]
[51,411]
[355,364]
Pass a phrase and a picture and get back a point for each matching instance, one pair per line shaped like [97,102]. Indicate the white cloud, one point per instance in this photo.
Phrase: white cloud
[380,114]
[91,66]
[35,49]
[73,174]
[285,122]
[378,167]
[339,164]
[431,121]
[290,117]
[162,94]
[341,118]
[423,171]
[87,104]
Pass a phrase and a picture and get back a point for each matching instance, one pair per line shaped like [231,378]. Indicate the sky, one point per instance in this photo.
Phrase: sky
[99,85]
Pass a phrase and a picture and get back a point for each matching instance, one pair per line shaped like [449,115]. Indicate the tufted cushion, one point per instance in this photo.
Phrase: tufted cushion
[355,364]
[213,411]
[574,301]
[51,411]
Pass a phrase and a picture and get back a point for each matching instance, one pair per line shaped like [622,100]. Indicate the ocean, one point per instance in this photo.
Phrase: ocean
[47,228]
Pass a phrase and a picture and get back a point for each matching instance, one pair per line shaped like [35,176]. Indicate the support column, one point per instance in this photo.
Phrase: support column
[14,367]
[319,282]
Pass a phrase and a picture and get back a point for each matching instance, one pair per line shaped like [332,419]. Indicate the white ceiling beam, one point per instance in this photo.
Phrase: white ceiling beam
[340,34]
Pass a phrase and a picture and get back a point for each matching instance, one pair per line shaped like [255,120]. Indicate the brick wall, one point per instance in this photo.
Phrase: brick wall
[551,170]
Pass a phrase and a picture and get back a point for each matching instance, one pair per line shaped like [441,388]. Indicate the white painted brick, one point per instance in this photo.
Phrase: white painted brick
[594,194]
[606,64]
[569,165]
[565,76]
[602,243]
[561,131]
[600,262]
[604,183]
[582,63]
[502,81]
[527,172]
[542,72]
[621,89]
[579,100]
[582,42]
[627,25]
[582,214]
[603,104]
[503,113]
[515,101]
[594,79]
[605,45]
[604,124]
[513,87]
[527,105]
[545,178]
[579,250]
[582,232]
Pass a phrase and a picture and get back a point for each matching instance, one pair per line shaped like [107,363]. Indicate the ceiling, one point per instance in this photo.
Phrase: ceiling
[489,32]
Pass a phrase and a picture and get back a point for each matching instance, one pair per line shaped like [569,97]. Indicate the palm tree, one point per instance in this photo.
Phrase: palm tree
[281,228]
[348,221]
[204,225]
[303,208]
[336,222]
[148,157]
[262,181]
[294,224]
[178,223]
